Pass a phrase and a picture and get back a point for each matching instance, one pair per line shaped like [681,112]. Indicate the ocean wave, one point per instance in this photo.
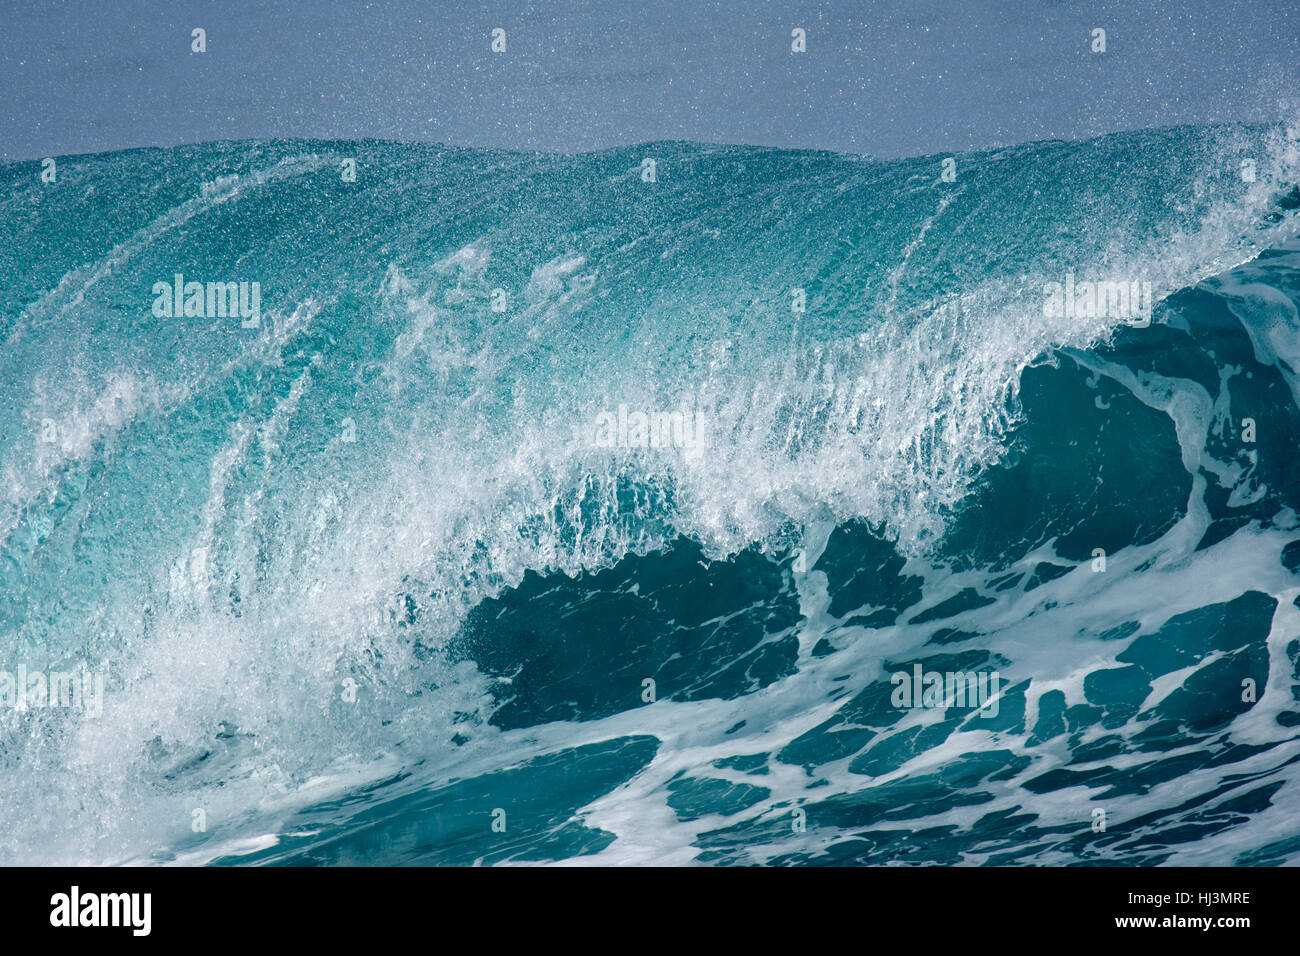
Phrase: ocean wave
[514,434]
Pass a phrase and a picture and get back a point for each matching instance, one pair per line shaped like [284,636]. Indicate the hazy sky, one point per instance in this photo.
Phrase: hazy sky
[885,78]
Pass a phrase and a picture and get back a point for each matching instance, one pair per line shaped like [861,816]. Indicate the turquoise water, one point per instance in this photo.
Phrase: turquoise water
[366,584]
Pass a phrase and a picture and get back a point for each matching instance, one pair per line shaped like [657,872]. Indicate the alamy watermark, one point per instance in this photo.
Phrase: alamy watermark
[635,428]
[208,300]
[1088,299]
[75,908]
[940,690]
[33,689]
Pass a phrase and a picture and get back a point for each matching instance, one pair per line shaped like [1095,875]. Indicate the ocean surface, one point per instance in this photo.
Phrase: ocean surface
[380,571]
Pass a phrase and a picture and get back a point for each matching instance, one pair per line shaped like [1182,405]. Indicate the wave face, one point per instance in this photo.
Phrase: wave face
[383,572]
